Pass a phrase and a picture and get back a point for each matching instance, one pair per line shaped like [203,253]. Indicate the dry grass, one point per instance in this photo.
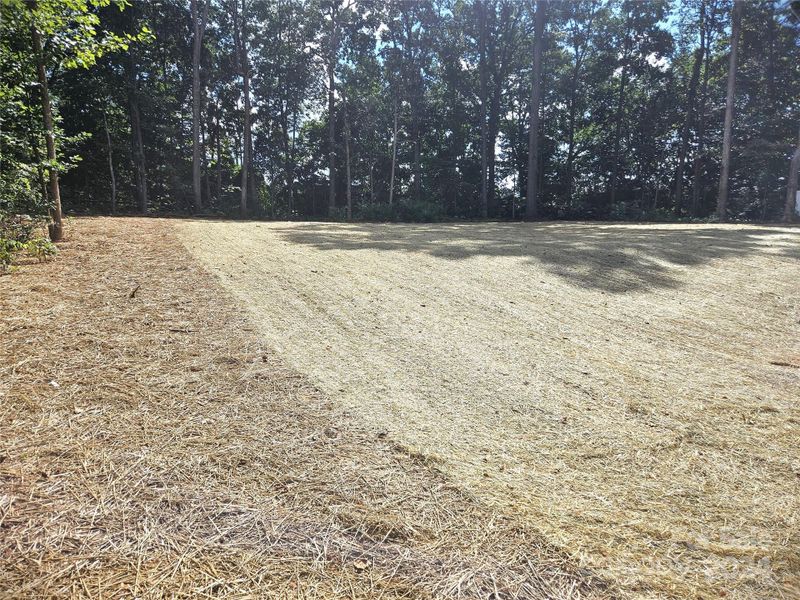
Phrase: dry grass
[630,391]
[151,445]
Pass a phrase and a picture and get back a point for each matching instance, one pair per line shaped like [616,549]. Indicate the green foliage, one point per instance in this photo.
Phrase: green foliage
[377,213]
[411,211]
[41,248]
[406,211]
[72,36]
[407,78]
[18,233]
[8,248]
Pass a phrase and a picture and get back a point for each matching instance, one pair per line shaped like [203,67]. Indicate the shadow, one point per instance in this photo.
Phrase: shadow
[615,258]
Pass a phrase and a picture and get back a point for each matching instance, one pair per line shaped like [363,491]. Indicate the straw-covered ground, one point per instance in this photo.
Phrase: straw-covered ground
[153,445]
[632,392]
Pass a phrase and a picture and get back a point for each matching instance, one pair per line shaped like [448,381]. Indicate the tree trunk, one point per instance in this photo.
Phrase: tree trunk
[34,142]
[698,183]
[484,92]
[56,228]
[690,98]
[199,24]
[287,168]
[789,213]
[218,142]
[620,113]
[415,133]
[292,160]
[347,158]
[246,132]
[532,208]
[111,167]
[205,143]
[573,109]
[394,156]
[137,145]
[372,183]
[491,159]
[332,56]
[722,198]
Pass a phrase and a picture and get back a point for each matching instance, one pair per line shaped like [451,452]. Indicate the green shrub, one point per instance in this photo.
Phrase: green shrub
[405,210]
[8,248]
[380,213]
[40,248]
[18,234]
[19,228]
[338,214]
[419,212]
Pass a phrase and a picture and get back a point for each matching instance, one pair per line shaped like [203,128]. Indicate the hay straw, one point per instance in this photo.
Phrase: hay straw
[151,445]
[623,389]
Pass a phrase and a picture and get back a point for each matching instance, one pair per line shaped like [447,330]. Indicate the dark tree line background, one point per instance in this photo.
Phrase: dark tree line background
[414,110]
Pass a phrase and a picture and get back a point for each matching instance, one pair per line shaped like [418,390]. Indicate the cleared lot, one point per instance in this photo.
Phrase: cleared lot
[631,391]
[152,446]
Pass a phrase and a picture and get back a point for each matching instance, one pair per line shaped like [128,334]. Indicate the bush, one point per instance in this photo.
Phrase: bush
[7,250]
[18,234]
[40,248]
[660,215]
[380,213]
[338,214]
[406,210]
[18,228]
[419,212]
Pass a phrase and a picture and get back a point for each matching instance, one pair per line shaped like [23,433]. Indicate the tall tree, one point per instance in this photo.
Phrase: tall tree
[241,44]
[503,41]
[691,94]
[199,18]
[482,10]
[111,171]
[580,28]
[56,227]
[333,59]
[722,197]
[620,114]
[532,209]
[698,182]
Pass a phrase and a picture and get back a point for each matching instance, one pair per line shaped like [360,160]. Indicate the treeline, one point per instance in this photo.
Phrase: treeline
[414,110]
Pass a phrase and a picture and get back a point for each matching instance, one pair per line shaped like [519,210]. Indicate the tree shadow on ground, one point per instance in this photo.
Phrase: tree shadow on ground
[615,258]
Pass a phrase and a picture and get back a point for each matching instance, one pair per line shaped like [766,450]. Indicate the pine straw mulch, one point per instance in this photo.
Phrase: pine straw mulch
[151,446]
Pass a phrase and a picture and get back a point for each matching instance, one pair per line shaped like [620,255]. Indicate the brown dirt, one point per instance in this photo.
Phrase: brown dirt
[152,445]
[628,390]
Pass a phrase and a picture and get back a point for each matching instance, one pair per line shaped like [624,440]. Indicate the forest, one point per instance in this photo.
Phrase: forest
[384,110]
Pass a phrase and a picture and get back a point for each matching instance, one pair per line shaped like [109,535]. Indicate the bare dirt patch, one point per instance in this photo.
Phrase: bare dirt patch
[151,445]
[628,390]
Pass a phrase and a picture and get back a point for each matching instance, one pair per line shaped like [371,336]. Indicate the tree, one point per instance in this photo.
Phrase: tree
[111,170]
[481,8]
[79,44]
[532,209]
[56,227]
[333,58]
[199,18]
[697,63]
[722,197]
[241,44]
[439,108]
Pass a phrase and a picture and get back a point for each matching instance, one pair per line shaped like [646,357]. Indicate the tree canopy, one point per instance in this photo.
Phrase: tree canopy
[397,109]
